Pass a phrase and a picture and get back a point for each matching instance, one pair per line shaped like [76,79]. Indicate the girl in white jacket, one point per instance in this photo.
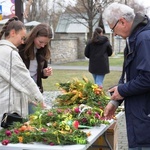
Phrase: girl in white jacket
[22,88]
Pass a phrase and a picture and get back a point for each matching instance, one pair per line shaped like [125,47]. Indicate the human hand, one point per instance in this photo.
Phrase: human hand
[47,71]
[109,111]
[42,105]
[115,94]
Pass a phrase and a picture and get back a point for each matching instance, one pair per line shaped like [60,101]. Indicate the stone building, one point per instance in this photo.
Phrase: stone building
[70,39]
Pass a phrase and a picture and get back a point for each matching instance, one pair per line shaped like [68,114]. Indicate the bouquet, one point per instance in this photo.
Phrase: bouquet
[81,92]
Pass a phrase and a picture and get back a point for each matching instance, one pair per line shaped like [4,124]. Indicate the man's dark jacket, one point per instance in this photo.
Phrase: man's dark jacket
[42,63]
[136,90]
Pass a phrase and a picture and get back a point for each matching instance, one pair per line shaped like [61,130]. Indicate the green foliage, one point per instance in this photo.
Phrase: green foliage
[81,92]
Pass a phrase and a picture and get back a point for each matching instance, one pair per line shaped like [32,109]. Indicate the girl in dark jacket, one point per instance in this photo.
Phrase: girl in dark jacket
[36,53]
[98,50]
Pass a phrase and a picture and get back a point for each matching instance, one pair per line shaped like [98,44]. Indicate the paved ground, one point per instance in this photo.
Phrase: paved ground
[122,135]
[121,124]
[80,67]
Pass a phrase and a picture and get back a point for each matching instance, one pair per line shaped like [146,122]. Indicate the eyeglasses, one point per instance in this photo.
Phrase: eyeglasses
[112,30]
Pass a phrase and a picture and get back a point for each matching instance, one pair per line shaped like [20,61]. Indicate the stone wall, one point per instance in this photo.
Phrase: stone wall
[119,45]
[64,50]
[80,41]
[70,47]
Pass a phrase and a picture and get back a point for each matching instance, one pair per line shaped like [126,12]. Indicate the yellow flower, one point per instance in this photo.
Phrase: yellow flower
[20,138]
[70,117]
[67,127]
[57,84]
[80,94]
[27,133]
[94,86]
[33,117]
[88,133]
[85,79]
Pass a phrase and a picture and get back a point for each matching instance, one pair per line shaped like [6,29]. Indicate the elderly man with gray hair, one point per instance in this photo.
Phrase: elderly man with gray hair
[134,84]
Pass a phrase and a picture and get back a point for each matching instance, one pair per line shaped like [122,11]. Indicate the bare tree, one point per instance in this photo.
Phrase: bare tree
[36,10]
[42,11]
[88,10]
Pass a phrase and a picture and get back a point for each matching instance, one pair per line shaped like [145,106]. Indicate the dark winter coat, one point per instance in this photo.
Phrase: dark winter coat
[42,63]
[137,88]
[98,53]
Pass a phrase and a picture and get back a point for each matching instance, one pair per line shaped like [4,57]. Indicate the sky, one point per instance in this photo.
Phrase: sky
[146,4]
[63,2]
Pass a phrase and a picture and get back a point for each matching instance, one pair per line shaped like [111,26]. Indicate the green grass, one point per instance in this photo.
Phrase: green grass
[62,76]
[114,61]
[58,76]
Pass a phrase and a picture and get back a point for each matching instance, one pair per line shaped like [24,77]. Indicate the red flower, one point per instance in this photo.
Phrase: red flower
[76,124]
[8,132]
[5,142]
[51,143]
[44,130]
[50,114]
[89,112]
[16,131]
[59,110]
[97,116]
[84,120]
[77,110]
[100,87]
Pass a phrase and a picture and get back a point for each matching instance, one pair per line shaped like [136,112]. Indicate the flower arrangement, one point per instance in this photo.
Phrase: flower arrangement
[81,92]
[56,126]
[45,126]
[80,106]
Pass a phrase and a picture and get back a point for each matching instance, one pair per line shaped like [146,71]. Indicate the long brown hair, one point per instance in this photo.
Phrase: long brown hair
[96,34]
[39,30]
[12,23]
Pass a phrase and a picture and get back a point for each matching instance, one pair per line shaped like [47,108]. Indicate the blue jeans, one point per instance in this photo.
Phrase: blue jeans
[31,108]
[98,79]
[140,148]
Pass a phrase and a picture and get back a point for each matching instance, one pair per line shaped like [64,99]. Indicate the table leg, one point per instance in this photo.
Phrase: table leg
[107,142]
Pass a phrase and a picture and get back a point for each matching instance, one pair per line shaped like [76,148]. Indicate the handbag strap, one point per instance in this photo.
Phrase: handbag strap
[10,84]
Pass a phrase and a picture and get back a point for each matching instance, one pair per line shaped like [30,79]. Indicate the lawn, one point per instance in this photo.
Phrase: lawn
[114,61]
[62,76]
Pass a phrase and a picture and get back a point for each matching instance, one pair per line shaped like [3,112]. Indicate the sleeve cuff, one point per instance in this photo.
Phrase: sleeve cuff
[115,103]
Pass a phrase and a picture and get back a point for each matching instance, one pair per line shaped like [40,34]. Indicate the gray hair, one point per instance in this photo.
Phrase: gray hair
[116,10]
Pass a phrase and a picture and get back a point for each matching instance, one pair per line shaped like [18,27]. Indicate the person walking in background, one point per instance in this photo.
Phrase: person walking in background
[21,86]
[134,84]
[35,53]
[98,50]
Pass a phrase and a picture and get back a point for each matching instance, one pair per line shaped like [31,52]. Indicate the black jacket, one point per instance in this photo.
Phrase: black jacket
[42,63]
[98,53]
